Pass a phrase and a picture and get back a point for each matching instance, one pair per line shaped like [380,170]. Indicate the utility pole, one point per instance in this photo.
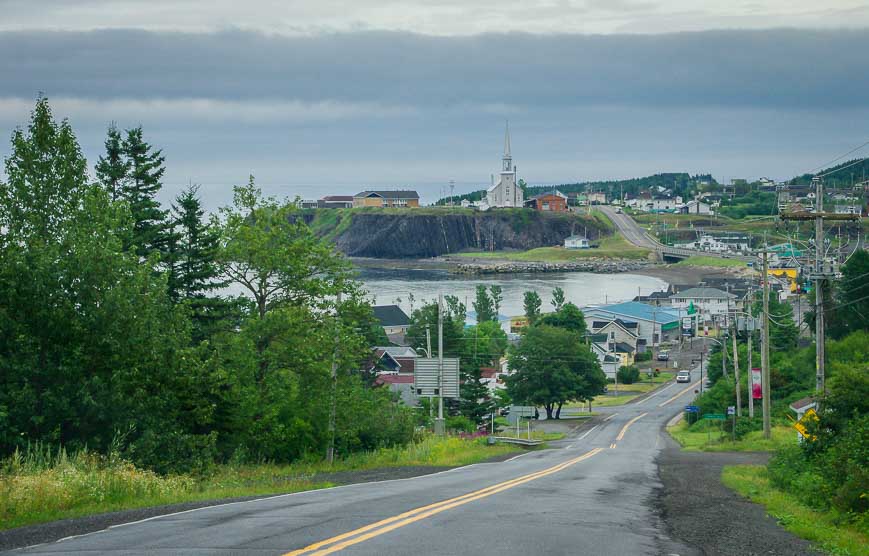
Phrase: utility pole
[736,372]
[821,272]
[750,354]
[330,451]
[440,429]
[428,354]
[764,352]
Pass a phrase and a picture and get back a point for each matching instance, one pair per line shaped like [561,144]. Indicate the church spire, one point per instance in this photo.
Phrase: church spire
[508,160]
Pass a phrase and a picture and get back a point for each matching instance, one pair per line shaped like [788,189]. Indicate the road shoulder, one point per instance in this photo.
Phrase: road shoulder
[699,511]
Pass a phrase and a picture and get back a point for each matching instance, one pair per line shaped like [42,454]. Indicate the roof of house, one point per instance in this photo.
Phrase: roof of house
[489,372]
[558,194]
[802,404]
[398,351]
[704,293]
[391,315]
[337,198]
[623,347]
[397,194]
[636,310]
[576,238]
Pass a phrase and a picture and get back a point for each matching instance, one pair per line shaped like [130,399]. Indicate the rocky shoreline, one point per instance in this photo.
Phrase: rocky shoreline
[601,266]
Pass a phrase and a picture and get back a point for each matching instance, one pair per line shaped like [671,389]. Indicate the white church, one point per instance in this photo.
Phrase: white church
[505,193]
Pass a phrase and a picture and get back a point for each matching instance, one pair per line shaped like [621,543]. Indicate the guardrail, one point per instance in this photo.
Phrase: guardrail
[519,441]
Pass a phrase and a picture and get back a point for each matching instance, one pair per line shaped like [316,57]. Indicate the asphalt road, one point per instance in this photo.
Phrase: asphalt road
[629,228]
[590,494]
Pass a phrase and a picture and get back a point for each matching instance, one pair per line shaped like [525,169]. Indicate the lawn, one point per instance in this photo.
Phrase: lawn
[706,437]
[700,260]
[752,482]
[34,491]
[610,247]
[638,389]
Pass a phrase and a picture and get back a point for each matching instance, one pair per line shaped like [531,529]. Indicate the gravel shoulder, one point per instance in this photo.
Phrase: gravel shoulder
[699,511]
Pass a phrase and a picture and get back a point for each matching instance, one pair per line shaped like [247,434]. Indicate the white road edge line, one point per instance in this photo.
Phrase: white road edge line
[588,432]
[506,460]
[161,516]
[610,417]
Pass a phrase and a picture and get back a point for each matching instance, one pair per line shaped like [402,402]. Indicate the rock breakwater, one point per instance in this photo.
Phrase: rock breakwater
[601,266]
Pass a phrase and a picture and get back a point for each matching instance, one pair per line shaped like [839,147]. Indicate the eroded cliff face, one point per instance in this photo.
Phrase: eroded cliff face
[418,234]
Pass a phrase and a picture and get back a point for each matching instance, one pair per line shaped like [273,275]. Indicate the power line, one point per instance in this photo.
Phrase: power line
[855,149]
[858,161]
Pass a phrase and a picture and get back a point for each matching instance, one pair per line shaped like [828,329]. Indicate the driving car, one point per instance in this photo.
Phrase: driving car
[683,376]
[663,355]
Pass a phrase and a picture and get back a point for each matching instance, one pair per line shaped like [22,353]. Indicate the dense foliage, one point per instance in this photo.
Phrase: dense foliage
[113,331]
[752,203]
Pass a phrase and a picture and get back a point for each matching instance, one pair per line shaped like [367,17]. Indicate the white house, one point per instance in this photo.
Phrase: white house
[664,204]
[695,207]
[712,303]
[505,193]
[576,242]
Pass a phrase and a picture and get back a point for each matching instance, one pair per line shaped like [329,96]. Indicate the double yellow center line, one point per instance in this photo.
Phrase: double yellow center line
[342,541]
[625,428]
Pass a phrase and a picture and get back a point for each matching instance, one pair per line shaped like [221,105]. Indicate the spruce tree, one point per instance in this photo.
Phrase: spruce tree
[194,274]
[113,169]
[150,232]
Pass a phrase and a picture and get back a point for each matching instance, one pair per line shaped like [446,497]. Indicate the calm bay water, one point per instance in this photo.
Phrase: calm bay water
[396,286]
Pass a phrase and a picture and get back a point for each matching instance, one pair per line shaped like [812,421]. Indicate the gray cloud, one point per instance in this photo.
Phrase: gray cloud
[340,112]
[718,68]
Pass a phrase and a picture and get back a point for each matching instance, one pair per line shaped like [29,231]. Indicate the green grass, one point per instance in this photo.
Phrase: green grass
[84,484]
[610,247]
[700,260]
[752,482]
[706,437]
[638,389]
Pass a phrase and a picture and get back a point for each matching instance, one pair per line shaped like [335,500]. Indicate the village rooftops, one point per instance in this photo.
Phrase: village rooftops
[631,310]
[397,194]
[391,315]
[704,293]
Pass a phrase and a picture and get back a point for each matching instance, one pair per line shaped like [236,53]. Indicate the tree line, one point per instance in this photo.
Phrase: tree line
[123,324]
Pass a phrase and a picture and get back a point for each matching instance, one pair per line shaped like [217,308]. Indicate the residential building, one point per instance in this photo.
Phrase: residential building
[719,244]
[506,193]
[596,198]
[391,199]
[653,324]
[554,201]
[576,242]
[394,321]
[336,201]
[308,204]
[696,207]
[609,362]
[395,367]
[658,299]
[713,304]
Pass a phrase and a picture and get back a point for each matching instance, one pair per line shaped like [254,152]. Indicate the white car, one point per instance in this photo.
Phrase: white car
[683,376]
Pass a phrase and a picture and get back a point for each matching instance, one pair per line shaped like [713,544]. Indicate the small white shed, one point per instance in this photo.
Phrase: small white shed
[576,242]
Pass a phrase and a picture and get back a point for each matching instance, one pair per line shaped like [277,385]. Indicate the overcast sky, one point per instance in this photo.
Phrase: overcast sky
[333,97]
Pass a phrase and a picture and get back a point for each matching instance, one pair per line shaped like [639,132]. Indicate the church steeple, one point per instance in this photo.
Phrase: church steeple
[507,160]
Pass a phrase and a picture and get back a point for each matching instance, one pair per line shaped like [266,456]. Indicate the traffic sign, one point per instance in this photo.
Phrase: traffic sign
[715,416]
[808,416]
[425,377]
[731,409]
[692,409]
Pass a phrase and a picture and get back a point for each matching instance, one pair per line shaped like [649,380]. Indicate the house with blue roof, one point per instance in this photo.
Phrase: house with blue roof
[652,325]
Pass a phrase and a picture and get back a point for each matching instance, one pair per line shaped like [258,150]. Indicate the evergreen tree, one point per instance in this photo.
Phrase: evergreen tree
[113,168]
[140,191]
[194,275]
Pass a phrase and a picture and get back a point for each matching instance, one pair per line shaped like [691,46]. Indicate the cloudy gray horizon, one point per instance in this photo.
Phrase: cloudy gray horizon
[337,112]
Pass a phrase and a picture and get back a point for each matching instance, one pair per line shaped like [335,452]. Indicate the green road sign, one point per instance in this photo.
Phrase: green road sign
[718,416]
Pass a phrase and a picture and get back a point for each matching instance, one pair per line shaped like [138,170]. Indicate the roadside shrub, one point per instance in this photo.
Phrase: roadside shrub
[460,423]
[628,374]
[645,356]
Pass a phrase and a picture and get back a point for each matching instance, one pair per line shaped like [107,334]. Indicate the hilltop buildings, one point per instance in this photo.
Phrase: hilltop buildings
[506,193]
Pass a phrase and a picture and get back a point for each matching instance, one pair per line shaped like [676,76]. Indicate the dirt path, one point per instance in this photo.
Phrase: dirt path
[699,511]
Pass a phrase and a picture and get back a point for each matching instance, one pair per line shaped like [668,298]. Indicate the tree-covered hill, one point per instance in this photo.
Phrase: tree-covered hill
[846,174]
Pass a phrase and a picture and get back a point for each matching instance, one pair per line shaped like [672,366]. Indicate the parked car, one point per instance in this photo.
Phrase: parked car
[683,376]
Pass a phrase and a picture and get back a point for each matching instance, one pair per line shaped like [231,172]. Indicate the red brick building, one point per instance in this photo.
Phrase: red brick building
[554,202]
